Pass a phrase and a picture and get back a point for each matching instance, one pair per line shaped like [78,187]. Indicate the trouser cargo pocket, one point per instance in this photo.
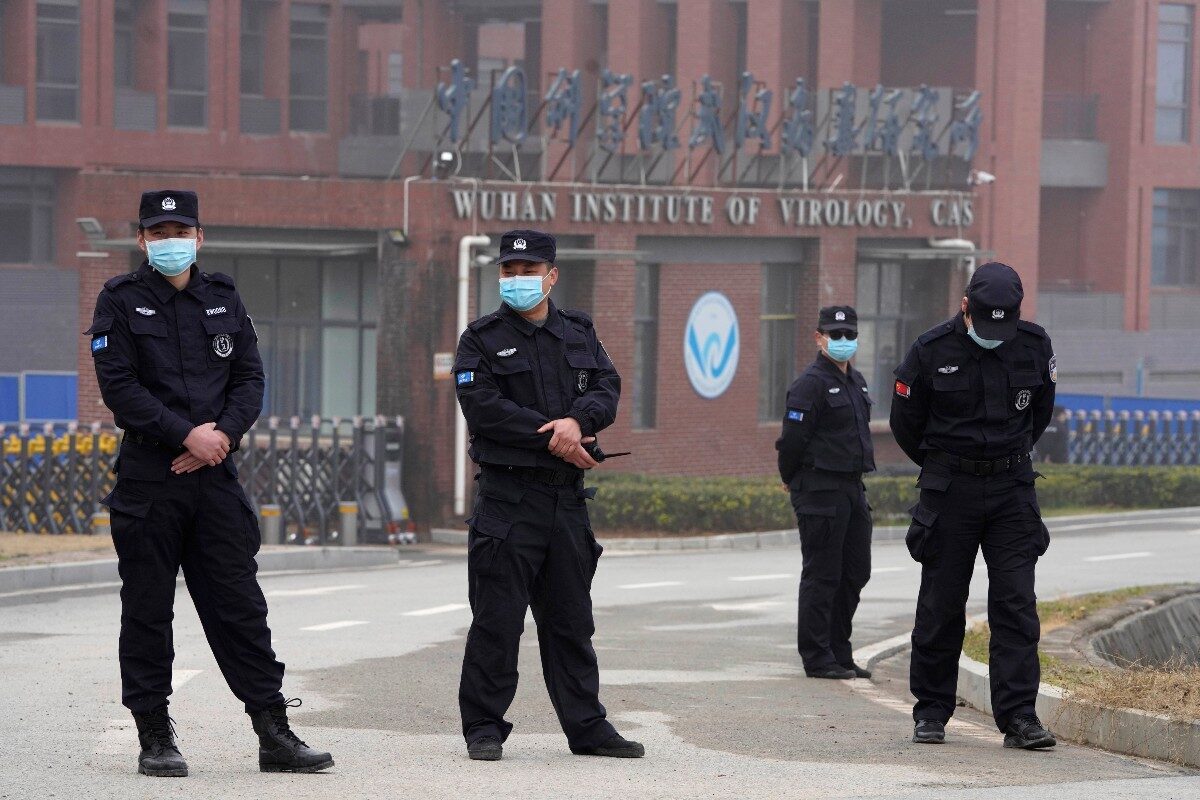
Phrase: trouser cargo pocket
[920,539]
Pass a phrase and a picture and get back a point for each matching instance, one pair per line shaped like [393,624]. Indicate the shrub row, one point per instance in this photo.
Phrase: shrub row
[726,505]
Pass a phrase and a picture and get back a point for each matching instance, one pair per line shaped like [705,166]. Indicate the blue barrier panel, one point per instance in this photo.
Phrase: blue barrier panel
[10,398]
[50,396]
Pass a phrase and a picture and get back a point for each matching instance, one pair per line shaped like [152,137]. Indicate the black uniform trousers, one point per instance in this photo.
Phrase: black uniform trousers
[531,544]
[958,514]
[203,522]
[835,540]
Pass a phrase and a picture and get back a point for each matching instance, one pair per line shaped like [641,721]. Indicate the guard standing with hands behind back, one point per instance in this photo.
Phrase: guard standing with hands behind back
[823,452]
[973,397]
[176,357]
[535,386]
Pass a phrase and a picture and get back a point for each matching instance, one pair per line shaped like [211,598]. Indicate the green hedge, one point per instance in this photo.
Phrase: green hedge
[716,505]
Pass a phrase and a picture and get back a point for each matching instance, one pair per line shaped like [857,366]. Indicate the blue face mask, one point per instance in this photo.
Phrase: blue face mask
[522,292]
[986,344]
[171,256]
[841,350]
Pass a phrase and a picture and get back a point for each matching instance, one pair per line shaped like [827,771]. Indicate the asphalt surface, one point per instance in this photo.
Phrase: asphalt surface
[697,661]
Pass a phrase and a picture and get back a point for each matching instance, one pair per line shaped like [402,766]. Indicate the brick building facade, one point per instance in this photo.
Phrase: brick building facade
[312,132]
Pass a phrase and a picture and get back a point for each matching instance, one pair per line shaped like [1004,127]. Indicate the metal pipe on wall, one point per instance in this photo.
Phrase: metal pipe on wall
[465,245]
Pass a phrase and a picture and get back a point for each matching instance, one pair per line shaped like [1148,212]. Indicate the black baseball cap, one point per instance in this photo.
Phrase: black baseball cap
[527,245]
[169,205]
[994,298]
[837,318]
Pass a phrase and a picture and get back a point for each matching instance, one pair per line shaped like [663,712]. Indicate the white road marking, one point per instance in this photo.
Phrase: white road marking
[1120,556]
[314,591]
[653,585]
[778,577]
[181,676]
[428,612]
[333,626]
[433,562]
[752,606]
[875,570]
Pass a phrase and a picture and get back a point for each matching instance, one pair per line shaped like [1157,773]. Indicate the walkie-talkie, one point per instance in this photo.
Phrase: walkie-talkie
[599,455]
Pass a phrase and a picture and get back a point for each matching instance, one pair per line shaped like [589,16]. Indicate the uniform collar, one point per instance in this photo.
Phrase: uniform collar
[162,288]
[554,322]
[960,327]
[827,364]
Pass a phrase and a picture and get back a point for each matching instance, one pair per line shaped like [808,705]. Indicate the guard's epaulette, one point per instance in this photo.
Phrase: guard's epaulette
[577,316]
[1032,327]
[484,321]
[113,283]
[219,277]
[936,332]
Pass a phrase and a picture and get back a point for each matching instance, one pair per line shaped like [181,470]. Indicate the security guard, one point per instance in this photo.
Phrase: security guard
[972,397]
[823,452]
[176,356]
[535,386]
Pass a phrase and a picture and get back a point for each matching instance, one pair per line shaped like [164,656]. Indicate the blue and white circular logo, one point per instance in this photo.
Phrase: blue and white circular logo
[711,344]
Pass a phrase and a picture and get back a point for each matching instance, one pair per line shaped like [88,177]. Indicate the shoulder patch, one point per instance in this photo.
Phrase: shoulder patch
[577,316]
[483,321]
[219,277]
[113,283]
[936,332]
[1032,327]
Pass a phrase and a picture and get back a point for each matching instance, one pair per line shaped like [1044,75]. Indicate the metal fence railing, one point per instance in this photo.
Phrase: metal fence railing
[1134,438]
[52,478]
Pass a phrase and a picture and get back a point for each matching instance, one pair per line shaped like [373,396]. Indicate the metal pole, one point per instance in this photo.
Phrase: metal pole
[465,245]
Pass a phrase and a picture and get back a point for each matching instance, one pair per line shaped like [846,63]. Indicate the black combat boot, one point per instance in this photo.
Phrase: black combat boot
[160,758]
[1027,733]
[486,749]
[280,750]
[616,746]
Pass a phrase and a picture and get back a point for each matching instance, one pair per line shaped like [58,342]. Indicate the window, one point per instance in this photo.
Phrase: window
[26,216]
[1174,253]
[316,323]
[187,63]
[123,44]
[1174,72]
[309,71]
[645,346]
[254,48]
[777,333]
[58,60]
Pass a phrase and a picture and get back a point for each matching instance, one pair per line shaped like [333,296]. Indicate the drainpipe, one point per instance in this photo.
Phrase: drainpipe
[465,245]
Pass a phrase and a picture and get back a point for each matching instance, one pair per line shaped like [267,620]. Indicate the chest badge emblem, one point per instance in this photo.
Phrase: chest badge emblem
[222,345]
[949,369]
[506,352]
[145,312]
[835,390]
[581,380]
[1022,399]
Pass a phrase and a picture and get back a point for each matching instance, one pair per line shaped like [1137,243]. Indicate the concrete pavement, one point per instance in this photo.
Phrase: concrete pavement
[697,658]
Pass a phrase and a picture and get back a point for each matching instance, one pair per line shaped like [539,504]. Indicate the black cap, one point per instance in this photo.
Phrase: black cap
[994,301]
[169,205]
[837,318]
[527,245]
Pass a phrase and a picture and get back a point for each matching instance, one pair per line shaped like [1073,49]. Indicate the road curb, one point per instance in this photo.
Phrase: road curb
[769,540]
[79,573]
[1121,730]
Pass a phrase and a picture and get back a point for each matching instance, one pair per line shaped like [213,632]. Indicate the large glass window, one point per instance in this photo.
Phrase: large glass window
[316,323]
[124,54]
[187,63]
[1173,89]
[777,338]
[58,60]
[254,48]
[309,70]
[645,346]
[1174,251]
[26,216]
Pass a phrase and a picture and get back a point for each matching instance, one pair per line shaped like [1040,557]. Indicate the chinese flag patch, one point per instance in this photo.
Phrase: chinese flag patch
[903,390]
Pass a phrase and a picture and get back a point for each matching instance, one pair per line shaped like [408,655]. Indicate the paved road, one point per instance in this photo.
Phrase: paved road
[697,658]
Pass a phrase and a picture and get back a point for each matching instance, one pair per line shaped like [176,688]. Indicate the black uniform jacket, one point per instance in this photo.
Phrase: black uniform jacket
[512,377]
[170,360]
[827,422]
[955,396]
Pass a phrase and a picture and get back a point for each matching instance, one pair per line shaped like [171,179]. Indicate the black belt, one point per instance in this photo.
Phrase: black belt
[550,477]
[150,441]
[978,468]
